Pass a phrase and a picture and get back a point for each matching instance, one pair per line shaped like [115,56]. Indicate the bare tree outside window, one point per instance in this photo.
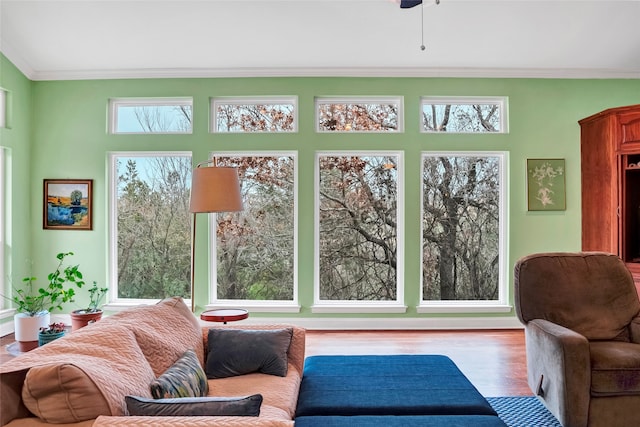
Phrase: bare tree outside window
[260,117]
[151,115]
[358,116]
[463,117]
[255,253]
[153,226]
[358,204]
[167,118]
[461,227]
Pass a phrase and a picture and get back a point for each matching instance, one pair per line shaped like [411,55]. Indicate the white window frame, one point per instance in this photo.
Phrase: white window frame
[114,103]
[281,306]
[336,306]
[253,100]
[322,100]
[4,289]
[470,306]
[501,101]
[115,303]
[3,108]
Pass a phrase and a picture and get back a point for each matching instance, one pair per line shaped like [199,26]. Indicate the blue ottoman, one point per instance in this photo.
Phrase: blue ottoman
[387,385]
[401,421]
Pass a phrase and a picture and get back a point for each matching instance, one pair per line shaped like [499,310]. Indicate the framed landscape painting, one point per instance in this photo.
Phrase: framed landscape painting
[68,204]
[546,185]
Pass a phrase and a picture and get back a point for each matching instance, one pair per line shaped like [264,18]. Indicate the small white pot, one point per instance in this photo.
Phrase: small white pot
[27,328]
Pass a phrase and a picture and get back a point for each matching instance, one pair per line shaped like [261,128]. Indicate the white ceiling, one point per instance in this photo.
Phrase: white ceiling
[78,39]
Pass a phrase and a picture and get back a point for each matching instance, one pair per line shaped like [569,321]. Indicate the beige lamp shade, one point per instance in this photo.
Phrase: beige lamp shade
[215,189]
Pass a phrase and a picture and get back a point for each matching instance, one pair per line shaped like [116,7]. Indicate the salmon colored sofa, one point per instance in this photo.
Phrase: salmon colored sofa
[82,379]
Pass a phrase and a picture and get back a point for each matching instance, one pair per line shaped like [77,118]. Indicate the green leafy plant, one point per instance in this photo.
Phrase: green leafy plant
[33,300]
[96,295]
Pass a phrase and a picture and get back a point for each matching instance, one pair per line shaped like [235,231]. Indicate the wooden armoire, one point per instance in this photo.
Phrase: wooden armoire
[610,156]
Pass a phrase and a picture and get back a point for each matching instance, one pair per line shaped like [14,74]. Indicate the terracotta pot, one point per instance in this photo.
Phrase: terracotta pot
[28,327]
[80,318]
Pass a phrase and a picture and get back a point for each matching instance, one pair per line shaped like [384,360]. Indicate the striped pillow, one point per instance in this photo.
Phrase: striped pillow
[185,378]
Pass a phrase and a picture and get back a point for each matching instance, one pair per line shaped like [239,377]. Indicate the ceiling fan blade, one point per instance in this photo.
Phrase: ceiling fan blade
[406,4]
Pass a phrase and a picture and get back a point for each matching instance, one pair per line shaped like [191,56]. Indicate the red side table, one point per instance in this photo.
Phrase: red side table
[224,315]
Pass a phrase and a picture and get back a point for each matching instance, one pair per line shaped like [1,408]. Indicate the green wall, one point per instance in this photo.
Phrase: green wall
[65,126]
[16,141]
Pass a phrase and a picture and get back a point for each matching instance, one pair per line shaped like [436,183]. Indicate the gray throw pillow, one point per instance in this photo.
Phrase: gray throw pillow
[234,352]
[248,406]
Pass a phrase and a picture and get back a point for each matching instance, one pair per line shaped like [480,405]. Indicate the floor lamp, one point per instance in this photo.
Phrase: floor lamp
[213,189]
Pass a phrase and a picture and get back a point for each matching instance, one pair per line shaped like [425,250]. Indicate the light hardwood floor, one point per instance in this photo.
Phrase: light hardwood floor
[493,360]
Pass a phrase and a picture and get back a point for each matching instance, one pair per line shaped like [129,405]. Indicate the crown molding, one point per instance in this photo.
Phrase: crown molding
[326,72]
[425,72]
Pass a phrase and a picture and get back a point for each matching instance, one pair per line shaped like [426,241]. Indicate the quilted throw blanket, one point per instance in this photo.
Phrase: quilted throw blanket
[110,360]
[117,356]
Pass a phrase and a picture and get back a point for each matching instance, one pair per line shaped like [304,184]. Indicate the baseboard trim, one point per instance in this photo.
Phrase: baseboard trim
[377,323]
[360,323]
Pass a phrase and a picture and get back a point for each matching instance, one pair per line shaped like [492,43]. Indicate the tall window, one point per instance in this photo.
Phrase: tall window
[464,115]
[268,114]
[364,114]
[255,249]
[463,228]
[358,234]
[3,206]
[150,115]
[150,224]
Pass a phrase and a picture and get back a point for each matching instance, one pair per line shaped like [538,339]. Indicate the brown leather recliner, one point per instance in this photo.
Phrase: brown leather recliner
[582,330]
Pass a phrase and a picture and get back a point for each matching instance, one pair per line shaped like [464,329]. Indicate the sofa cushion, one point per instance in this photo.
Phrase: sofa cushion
[243,351]
[62,393]
[615,368]
[185,378]
[247,406]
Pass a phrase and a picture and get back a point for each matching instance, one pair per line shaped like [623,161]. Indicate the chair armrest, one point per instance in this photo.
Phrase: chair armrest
[559,364]
[634,329]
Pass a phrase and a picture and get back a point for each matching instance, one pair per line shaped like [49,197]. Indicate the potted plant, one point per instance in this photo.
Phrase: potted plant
[91,314]
[50,333]
[34,303]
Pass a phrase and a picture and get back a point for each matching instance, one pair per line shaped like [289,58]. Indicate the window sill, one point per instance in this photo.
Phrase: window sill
[7,312]
[464,308]
[125,304]
[358,308]
[257,307]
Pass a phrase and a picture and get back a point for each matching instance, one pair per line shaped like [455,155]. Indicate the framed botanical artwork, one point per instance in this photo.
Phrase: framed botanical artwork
[546,189]
[68,204]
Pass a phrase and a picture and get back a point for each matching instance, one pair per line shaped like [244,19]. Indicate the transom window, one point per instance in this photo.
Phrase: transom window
[150,115]
[463,230]
[268,114]
[149,225]
[363,114]
[256,249]
[358,235]
[464,115]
